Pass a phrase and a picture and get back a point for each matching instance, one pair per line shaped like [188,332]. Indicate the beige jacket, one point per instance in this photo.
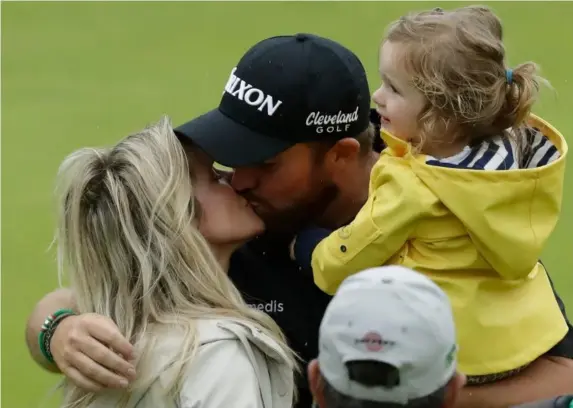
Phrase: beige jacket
[236,366]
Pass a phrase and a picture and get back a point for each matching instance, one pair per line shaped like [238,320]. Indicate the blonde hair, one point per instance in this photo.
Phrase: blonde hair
[457,60]
[129,244]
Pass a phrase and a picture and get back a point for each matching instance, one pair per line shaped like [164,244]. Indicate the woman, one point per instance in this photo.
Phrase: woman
[145,234]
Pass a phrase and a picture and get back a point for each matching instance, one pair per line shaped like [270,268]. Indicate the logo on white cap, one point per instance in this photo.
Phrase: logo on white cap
[391,315]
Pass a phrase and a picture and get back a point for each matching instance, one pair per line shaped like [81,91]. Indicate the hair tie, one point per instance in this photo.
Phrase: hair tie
[509,76]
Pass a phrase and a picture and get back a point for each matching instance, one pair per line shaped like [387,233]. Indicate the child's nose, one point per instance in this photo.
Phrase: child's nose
[378,97]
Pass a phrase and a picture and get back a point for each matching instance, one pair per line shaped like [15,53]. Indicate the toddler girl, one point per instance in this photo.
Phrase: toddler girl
[467,191]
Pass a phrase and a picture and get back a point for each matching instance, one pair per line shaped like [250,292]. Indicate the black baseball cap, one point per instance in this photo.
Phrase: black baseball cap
[285,90]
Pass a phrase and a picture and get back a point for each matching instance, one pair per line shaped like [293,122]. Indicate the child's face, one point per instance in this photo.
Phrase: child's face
[398,102]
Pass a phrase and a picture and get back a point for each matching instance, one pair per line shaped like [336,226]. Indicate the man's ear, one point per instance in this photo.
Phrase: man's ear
[316,383]
[344,152]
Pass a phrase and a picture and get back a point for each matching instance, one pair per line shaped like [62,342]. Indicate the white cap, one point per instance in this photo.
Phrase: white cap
[391,315]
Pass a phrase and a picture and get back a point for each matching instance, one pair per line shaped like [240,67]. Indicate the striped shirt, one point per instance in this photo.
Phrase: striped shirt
[503,153]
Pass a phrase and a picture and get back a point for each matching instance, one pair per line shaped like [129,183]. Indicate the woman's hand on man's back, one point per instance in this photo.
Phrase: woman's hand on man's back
[92,353]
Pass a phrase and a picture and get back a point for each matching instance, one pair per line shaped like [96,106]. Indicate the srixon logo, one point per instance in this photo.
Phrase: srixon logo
[252,96]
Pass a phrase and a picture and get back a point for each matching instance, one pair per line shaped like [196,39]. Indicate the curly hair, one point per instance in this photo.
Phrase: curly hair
[458,61]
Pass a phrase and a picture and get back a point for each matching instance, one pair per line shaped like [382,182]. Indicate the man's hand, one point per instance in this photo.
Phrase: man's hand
[92,353]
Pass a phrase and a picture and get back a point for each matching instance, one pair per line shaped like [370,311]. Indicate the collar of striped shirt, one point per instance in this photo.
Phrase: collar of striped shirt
[503,153]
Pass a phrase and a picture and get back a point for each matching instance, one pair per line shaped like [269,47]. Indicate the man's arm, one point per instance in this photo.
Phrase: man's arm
[565,401]
[88,349]
[59,299]
[547,377]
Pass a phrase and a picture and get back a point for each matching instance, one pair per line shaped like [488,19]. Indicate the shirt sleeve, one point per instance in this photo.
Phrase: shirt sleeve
[306,242]
[380,229]
[221,376]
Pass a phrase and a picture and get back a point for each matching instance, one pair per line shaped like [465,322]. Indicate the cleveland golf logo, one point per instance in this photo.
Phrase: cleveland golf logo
[325,123]
[252,96]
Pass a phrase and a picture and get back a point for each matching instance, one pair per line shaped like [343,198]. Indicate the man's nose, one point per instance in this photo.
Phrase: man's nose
[244,179]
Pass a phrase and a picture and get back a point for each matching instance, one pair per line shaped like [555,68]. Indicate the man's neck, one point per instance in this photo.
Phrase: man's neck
[353,195]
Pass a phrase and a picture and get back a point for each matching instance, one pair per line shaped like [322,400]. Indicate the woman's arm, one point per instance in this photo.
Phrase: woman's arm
[58,299]
[88,349]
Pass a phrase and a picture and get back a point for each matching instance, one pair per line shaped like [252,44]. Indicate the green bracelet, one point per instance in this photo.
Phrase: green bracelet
[48,329]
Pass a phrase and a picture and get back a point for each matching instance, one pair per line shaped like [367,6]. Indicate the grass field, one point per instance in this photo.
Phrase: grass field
[77,74]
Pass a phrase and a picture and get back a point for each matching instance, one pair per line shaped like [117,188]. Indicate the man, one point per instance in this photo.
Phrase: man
[294,122]
[387,339]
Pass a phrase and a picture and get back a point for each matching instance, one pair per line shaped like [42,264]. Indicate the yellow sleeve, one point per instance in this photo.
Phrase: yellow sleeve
[380,229]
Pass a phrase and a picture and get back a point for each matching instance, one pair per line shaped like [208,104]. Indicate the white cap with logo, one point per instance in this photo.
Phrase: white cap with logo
[395,316]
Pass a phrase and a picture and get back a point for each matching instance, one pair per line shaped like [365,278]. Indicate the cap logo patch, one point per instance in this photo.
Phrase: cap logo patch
[337,123]
[252,96]
[374,342]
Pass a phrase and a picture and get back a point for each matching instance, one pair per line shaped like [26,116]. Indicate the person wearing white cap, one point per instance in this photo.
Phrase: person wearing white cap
[387,339]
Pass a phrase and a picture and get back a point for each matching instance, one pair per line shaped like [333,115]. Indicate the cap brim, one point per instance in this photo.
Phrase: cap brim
[230,143]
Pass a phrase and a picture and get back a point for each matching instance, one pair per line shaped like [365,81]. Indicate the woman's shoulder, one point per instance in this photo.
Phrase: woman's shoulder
[220,331]
[233,364]
[237,352]
[235,339]
[241,331]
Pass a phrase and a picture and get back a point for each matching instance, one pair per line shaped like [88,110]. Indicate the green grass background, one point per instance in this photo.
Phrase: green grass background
[77,74]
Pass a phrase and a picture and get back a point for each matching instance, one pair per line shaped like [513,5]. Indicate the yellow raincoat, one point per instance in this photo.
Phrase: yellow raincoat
[477,233]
